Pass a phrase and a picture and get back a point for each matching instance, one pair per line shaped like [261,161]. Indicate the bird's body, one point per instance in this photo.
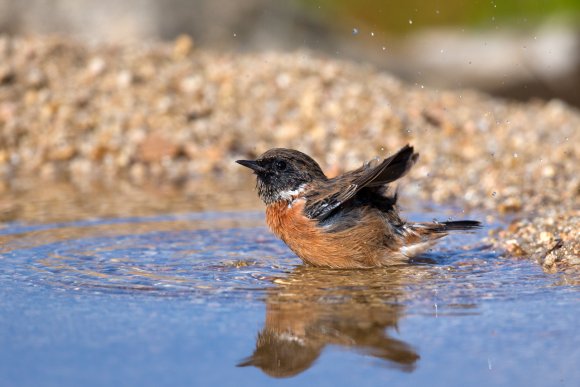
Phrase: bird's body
[349,221]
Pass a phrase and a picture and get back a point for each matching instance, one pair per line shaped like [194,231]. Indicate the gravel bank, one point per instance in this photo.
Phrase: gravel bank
[167,112]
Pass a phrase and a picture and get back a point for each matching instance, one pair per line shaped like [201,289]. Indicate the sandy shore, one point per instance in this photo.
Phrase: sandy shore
[172,113]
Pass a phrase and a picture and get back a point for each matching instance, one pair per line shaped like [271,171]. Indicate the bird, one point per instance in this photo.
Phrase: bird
[351,221]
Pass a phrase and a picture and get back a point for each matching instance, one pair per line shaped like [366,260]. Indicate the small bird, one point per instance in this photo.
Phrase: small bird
[347,222]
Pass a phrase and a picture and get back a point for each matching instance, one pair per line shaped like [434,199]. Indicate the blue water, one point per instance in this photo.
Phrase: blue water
[185,300]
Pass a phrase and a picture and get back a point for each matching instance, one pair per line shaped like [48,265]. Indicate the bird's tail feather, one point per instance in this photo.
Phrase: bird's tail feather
[421,236]
[436,230]
[459,225]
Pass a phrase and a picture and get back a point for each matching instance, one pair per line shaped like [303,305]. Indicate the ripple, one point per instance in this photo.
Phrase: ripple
[231,255]
[233,262]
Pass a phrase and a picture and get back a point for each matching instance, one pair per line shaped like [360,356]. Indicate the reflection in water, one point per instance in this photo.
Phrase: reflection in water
[313,308]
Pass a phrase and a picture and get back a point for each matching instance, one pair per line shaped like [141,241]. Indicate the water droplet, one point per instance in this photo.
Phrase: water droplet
[372,34]
[515,155]
[355,31]
[437,11]
[384,48]
[493,193]
[235,34]
[442,51]
[410,21]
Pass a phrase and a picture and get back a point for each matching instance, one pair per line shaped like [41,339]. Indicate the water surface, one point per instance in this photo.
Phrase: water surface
[212,298]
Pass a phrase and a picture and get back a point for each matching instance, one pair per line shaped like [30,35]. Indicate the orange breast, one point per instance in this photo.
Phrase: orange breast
[362,246]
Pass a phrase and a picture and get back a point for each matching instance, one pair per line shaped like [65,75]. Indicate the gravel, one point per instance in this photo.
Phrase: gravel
[172,114]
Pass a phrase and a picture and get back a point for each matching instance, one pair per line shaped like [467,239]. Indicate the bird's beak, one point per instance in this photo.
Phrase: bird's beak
[253,165]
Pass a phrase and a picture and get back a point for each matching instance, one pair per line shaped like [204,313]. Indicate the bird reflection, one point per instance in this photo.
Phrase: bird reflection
[313,308]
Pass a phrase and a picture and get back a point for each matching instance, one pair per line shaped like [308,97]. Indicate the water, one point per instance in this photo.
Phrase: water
[213,298]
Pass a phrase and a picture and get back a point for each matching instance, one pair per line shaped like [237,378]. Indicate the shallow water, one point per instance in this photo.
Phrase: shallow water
[213,298]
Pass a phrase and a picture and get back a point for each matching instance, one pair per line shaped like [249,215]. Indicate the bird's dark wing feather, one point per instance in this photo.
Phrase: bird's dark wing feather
[343,188]
[391,169]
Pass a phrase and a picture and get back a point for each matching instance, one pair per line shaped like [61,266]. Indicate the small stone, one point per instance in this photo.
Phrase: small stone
[7,111]
[98,152]
[191,85]
[36,79]
[514,248]
[546,237]
[97,66]
[124,79]
[9,212]
[138,172]
[548,171]
[550,260]
[511,204]
[157,147]
[7,75]
[183,46]
[62,153]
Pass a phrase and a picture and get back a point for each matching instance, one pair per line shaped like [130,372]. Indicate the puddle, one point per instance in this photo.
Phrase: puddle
[213,297]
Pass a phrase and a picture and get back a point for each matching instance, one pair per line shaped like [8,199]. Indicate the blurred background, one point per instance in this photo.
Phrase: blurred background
[521,49]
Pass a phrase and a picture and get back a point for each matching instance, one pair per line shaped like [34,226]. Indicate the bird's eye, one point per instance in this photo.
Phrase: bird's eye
[281,165]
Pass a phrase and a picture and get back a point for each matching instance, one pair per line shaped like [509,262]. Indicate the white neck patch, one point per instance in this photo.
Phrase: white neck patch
[290,195]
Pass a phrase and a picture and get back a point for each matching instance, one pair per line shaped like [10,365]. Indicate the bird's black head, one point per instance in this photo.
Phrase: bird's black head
[282,173]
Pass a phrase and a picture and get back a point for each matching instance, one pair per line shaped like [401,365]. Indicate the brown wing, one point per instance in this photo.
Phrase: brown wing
[343,188]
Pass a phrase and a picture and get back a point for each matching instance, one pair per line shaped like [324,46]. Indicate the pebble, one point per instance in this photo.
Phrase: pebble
[155,148]
[515,248]
[183,46]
